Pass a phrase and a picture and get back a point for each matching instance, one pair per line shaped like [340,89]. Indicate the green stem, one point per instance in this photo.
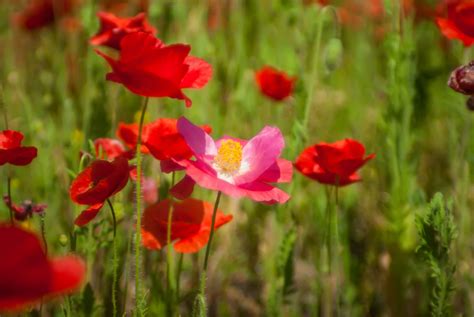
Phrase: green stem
[115,260]
[169,263]
[211,235]
[43,233]
[139,310]
[178,275]
[200,306]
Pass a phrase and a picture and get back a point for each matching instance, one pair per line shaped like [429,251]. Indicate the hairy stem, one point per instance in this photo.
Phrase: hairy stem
[139,310]
[115,260]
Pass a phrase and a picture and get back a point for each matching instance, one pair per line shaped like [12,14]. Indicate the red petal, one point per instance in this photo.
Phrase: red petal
[87,215]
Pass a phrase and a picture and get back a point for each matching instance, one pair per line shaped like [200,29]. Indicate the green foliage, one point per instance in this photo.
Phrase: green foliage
[437,234]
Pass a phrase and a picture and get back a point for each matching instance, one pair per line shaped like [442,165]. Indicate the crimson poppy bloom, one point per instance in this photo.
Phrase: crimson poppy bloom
[156,69]
[113,29]
[41,13]
[333,163]
[275,84]
[459,22]
[160,138]
[11,150]
[25,210]
[236,167]
[190,227]
[95,184]
[27,275]
[110,149]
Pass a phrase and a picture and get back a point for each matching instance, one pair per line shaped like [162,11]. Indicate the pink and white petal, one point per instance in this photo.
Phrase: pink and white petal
[264,193]
[183,189]
[280,172]
[257,191]
[261,152]
[200,143]
[87,215]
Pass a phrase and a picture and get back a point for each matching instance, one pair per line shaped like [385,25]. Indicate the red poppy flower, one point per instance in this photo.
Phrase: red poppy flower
[459,23]
[160,138]
[190,227]
[11,150]
[149,68]
[274,84]
[113,29]
[333,164]
[110,149]
[95,184]
[25,210]
[27,275]
[41,13]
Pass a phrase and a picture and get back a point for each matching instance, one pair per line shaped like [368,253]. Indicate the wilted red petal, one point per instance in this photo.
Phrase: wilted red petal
[183,189]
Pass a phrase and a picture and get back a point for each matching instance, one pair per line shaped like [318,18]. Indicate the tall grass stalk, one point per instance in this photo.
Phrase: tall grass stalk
[139,301]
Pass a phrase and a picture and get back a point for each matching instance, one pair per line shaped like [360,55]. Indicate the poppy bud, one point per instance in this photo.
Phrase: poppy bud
[470,104]
[462,79]
[333,54]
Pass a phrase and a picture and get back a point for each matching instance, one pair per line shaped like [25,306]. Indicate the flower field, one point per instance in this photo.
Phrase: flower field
[237,158]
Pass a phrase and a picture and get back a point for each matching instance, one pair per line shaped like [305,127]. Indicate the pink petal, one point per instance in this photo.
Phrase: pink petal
[257,191]
[261,152]
[279,172]
[200,143]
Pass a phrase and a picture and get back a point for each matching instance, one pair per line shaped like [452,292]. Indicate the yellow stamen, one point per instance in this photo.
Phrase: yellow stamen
[229,156]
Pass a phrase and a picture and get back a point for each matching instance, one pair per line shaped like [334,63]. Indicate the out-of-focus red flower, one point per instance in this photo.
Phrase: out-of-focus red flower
[25,210]
[190,227]
[333,163]
[28,276]
[11,150]
[274,84]
[113,29]
[128,133]
[110,149]
[96,183]
[41,13]
[459,21]
[160,138]
[156,69]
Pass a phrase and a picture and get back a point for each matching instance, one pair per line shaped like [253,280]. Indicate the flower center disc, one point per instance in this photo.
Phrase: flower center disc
[229,156]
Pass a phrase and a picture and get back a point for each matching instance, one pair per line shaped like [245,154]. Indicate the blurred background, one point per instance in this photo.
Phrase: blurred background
[375,71]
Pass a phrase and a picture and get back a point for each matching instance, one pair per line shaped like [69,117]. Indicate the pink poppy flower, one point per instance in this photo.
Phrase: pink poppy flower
[238,168]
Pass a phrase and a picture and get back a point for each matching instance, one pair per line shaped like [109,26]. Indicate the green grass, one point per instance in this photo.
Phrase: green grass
[387,91]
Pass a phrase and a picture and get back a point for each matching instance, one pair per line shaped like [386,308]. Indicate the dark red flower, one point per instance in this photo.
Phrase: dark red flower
[190,227]
[95,184]
[11,150]
[113,29]
[149,68]
[274,84]
[160,138]
[333,164]
[110,149]
[25,210]
[27,275]
[41,13]
[462,79]
[459,22]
